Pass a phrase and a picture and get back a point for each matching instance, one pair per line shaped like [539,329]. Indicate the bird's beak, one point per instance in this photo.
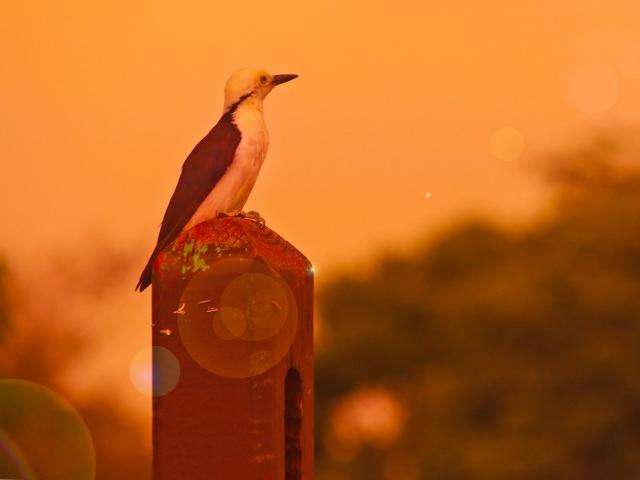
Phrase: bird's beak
[283,78]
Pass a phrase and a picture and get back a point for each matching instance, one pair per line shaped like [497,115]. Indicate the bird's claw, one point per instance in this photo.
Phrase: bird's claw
[255,217]
[252,215]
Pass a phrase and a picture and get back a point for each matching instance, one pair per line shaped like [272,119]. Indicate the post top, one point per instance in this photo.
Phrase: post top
[194,250]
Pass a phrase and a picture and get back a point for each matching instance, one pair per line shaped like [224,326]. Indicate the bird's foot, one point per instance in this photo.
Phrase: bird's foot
[252,215]
[227,215]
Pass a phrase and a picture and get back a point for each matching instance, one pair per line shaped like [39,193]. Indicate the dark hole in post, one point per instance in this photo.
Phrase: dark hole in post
[292,425]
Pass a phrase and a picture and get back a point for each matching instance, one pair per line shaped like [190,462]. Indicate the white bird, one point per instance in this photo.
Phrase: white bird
[219,174]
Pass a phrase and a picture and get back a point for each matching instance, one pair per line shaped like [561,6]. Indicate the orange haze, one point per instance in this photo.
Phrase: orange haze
[101,102]
[405,114]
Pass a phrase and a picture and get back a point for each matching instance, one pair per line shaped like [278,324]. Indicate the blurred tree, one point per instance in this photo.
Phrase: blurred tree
[38,344]
[515,354]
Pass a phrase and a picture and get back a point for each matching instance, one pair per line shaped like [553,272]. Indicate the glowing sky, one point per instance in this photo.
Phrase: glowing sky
[102,101]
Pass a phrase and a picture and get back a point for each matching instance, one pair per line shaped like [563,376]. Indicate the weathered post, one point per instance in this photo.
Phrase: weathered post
[233,356]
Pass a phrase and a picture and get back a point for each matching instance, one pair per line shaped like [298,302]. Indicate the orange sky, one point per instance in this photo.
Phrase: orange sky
[102,101]
[390,129]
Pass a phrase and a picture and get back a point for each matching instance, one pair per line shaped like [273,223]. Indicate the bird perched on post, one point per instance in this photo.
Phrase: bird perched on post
[219,174]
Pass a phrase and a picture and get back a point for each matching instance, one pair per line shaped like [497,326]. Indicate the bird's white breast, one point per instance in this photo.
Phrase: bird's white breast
[232,191]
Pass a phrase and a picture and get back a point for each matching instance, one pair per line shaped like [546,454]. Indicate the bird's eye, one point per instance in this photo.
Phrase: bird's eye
[264,79]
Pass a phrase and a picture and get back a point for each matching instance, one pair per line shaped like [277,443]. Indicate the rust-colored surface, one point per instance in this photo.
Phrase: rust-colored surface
[232,317]
[293,425]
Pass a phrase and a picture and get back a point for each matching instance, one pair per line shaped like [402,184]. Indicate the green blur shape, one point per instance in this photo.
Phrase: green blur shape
[43,436]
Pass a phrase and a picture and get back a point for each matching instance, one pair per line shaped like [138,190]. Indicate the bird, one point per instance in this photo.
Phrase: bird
[221,170]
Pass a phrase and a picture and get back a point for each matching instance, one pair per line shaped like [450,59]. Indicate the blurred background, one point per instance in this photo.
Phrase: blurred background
[465,178]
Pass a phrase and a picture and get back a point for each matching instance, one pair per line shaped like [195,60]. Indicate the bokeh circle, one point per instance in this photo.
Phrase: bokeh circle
[240,317]
[42,435]
[154,371]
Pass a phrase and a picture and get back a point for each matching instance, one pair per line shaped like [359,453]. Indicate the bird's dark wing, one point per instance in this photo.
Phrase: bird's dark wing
[202,169]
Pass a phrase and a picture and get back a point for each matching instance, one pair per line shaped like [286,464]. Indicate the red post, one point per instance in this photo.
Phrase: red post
[233,356]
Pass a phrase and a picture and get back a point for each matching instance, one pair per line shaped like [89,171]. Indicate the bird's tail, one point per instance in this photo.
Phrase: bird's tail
[145,277]
[147,273]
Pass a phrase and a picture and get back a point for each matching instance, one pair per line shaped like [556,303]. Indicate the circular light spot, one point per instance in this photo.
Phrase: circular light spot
[261,300]
[593,88]
[248,322]
[507,144]
[31,418]
[154,371]
[229,323]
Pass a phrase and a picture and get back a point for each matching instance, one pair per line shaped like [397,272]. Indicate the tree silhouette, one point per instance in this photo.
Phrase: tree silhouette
[513,352]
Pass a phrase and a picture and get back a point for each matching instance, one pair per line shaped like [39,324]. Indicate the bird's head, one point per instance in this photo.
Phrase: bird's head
[252,83]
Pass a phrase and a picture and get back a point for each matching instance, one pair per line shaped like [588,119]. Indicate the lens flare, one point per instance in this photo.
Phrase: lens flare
[261,300]
[42,435]
[154,371]
[240,317]
[229,323]
[13,462]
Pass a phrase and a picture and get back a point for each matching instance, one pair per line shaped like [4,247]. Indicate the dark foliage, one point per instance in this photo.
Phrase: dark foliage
[515,353]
